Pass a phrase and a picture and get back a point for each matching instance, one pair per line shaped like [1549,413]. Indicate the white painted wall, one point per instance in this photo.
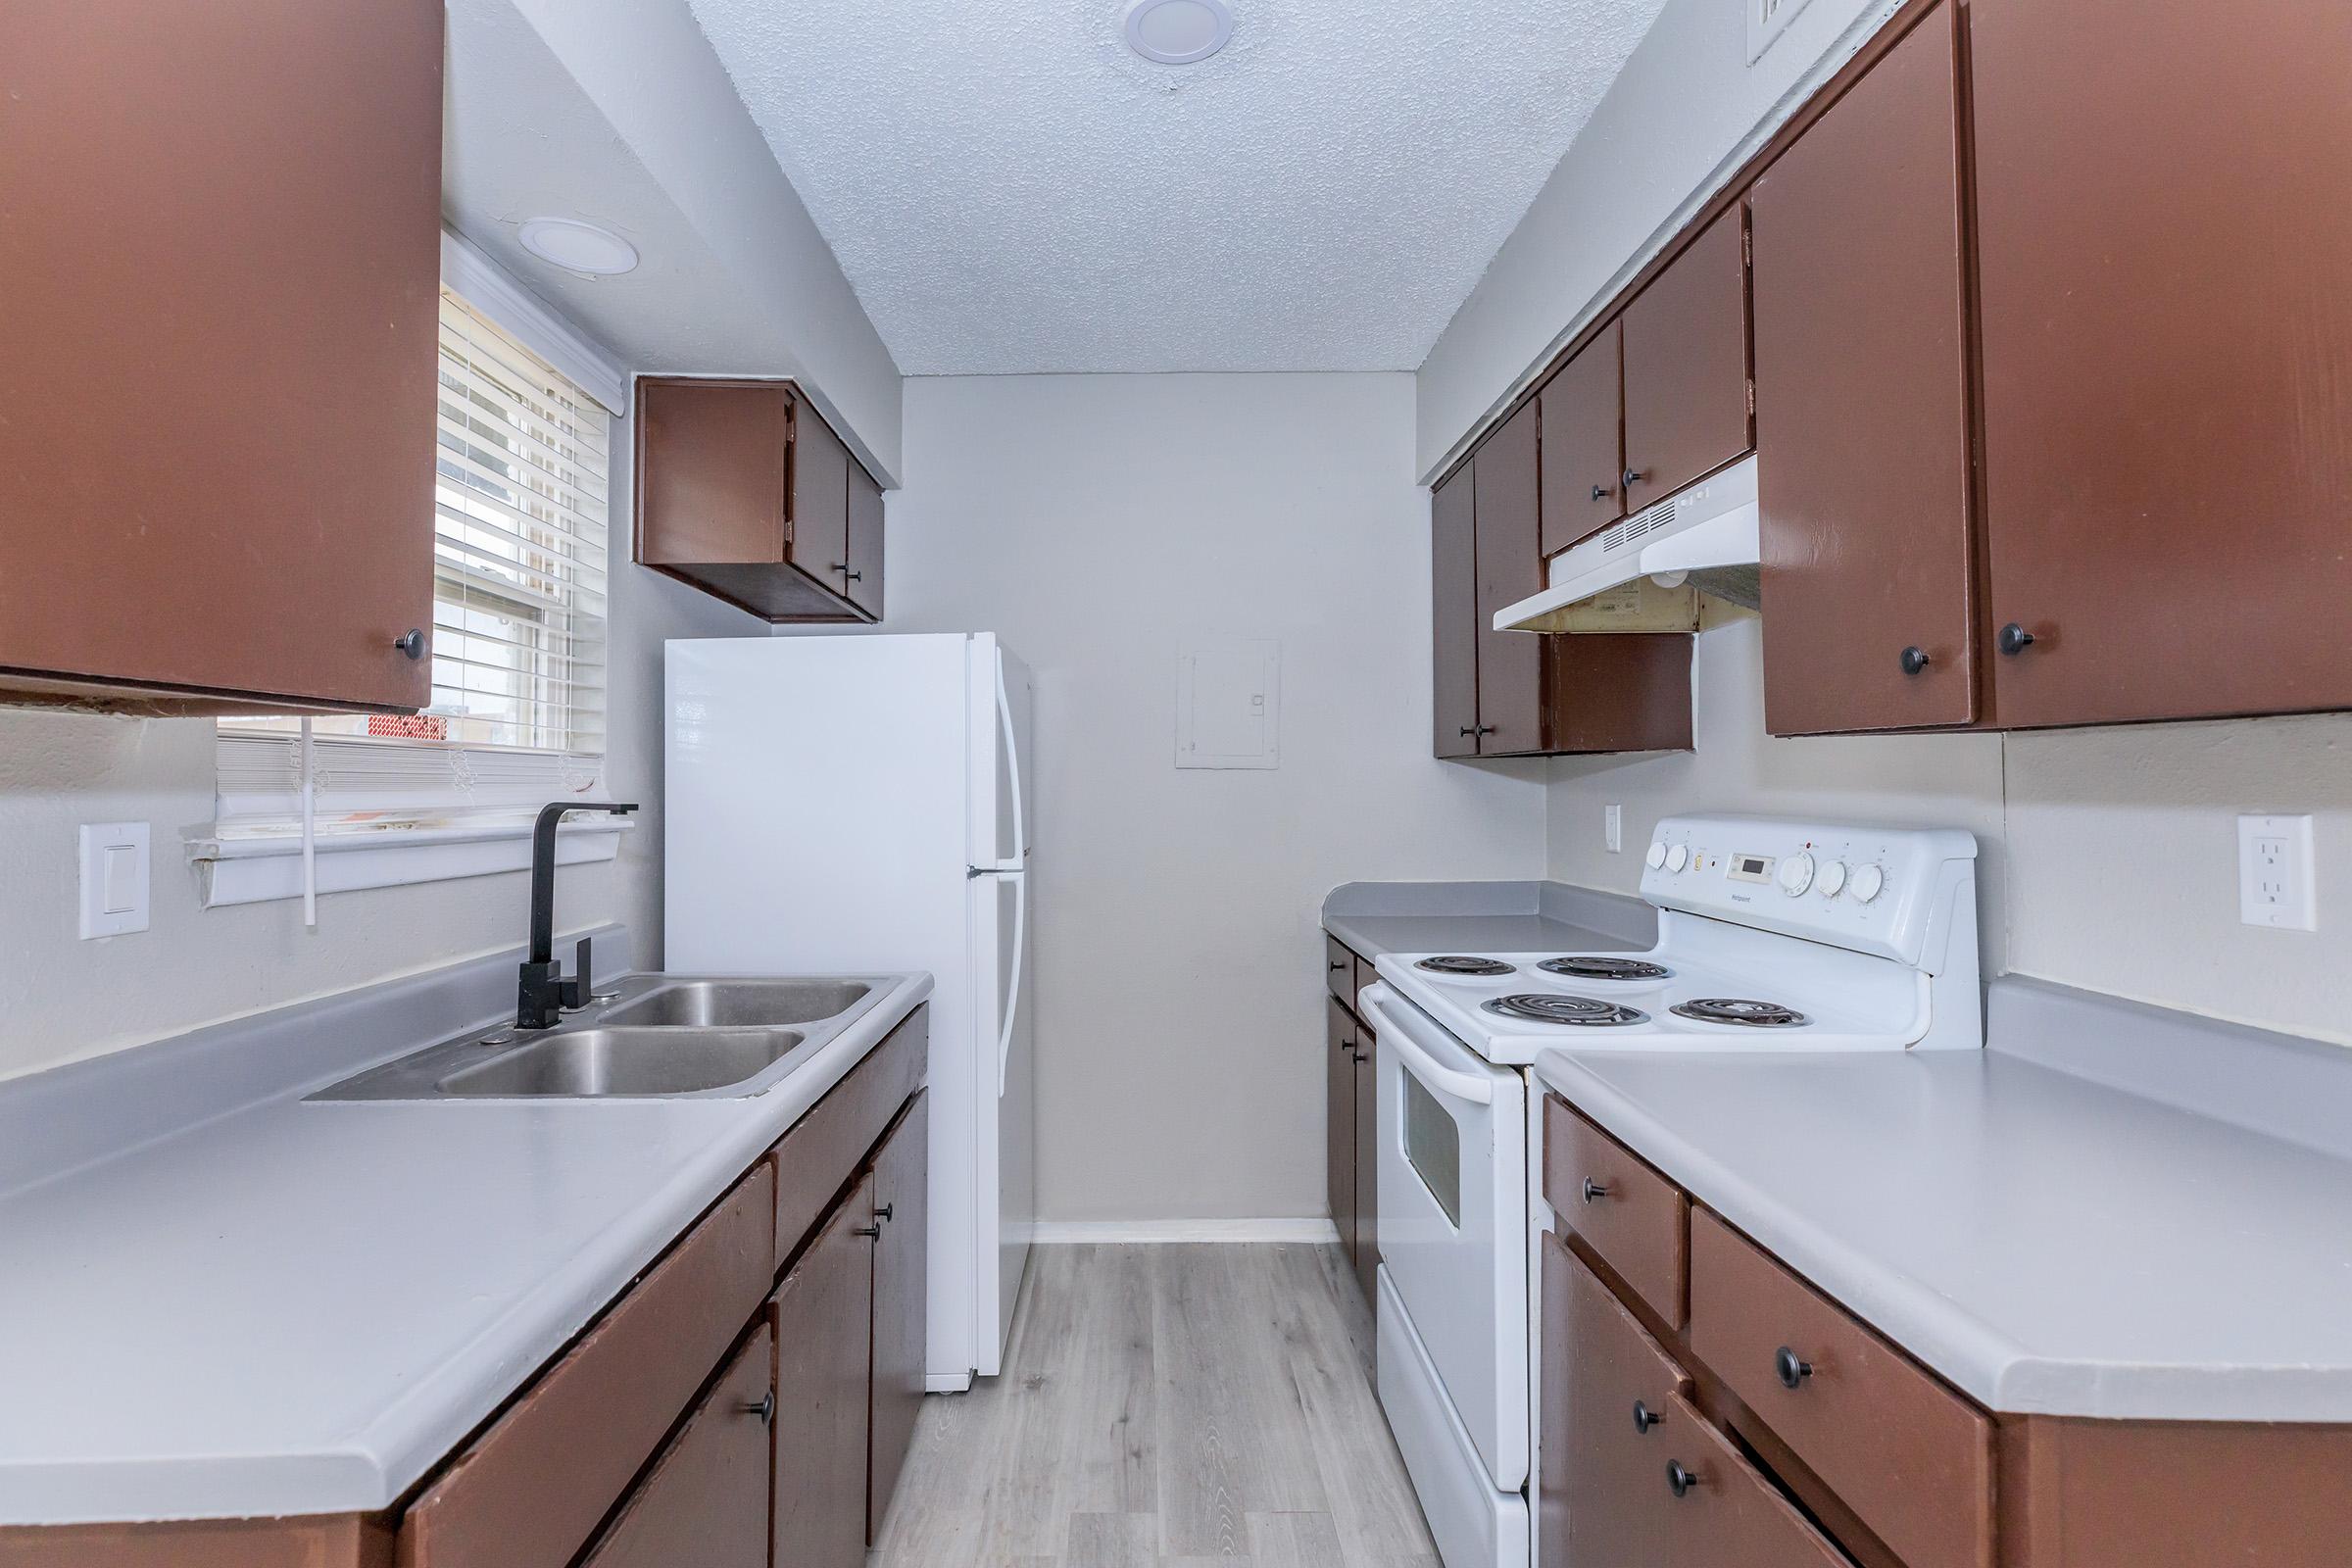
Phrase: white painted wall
[1682,117]
[61,998]
[2109,856]
[1096,522]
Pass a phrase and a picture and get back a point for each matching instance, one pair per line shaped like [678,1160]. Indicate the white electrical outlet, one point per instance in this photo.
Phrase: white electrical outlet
[1612,827]
[2274,874]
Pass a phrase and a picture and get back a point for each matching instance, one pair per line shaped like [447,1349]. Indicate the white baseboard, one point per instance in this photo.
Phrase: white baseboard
[1052,1232]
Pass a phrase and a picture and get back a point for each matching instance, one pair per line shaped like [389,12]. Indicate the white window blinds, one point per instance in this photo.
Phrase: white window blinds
[521,510]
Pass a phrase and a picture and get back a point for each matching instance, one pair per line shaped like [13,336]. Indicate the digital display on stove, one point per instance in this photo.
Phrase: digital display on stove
[1750,868]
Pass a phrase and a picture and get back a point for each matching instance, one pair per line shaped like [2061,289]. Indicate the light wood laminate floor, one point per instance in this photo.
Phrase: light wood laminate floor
[1177,1405]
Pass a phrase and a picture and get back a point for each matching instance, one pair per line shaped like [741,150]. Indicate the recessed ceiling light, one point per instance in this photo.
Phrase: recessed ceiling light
[1178,33]
[581,247]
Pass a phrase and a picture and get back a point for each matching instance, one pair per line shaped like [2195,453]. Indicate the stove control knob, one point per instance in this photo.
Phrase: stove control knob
[1677,858]
[1832,880]
[1797,873]
[1658,854]
[1869,882]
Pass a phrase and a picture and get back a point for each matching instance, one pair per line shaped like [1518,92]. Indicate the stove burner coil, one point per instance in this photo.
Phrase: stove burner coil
[1457,965]
[1582,967]
[1740,1010]
[1552,1006]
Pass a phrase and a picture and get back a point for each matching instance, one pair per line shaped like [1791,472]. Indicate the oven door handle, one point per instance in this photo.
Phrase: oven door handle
[1475,1088]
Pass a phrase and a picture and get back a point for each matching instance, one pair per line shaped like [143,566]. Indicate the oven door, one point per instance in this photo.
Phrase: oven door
[1452,1225]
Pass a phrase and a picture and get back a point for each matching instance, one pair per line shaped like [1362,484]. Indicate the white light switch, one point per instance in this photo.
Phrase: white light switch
[114,878]
[1612,827]
[2274,874]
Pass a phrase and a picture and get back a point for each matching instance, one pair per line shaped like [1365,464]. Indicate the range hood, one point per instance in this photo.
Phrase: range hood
[1704,536]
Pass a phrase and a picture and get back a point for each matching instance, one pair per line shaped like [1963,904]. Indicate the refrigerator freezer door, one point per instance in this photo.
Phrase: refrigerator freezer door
[1000,806]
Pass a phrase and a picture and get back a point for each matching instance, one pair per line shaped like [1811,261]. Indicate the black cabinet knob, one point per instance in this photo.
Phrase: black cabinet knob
[1633,478]
[1792,1368]
[1483,729]
[410,643]
[1602,492]
[1594,1191]
[867,1231]
[1645,1417]
[1468,729]
[1679,1481]
[764,1408]
[1915,660]
[886,1210]
[2014,639]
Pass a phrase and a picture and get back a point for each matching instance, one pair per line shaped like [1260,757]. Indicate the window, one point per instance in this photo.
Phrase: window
[522,511]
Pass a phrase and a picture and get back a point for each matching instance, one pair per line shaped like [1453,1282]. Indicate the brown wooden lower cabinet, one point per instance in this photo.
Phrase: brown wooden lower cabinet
[901,1274]
[704,1501]
[1688,1447]
[1351,1085]
[823,1319]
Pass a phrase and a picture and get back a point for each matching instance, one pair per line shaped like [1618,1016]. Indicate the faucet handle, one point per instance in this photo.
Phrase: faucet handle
[577,990]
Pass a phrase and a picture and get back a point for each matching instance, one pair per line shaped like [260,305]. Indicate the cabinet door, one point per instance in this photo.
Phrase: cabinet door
[1510,567]
[706,1499]
[1607,1389]
[1453,615]
[865,542]
[1339,1119]
[711,470]
[2162,200]
[1367,1215]
[1861,407]
[1685,366]
[823,1318]
[1584,443]
[902,1184]
[820,498]
[220,287]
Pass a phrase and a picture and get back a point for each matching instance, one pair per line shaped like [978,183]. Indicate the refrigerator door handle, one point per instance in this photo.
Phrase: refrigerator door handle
[1013,764]
[1012,996]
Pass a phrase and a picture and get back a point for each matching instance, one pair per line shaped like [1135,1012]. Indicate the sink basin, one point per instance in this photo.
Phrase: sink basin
[658,1034]
[587,1063]
[738,1003]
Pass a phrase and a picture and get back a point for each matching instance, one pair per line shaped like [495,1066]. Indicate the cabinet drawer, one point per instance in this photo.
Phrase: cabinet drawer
[527,1491]
[706,1499]
[826,1146]
[1719,1511]
[1339,970]
[1911,1458]
[1635,1218]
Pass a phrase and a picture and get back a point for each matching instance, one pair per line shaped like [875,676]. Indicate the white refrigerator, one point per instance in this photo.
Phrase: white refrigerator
[853,804]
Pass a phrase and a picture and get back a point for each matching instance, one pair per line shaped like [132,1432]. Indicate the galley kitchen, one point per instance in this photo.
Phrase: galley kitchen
[1534,784]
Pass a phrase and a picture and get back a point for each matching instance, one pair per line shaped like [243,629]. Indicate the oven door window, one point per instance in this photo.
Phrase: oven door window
[1433,1146]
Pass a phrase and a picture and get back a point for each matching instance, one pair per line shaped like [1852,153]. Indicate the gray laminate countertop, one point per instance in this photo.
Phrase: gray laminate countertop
[224,1299]
[2114,1213]
[1476,917]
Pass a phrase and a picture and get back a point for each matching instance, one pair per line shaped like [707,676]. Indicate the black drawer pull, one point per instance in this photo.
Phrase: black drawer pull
[1645,1418]
[1792,1368]
[1594,1191]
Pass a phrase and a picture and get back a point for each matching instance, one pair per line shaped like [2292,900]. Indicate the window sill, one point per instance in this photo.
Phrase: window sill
[264,868]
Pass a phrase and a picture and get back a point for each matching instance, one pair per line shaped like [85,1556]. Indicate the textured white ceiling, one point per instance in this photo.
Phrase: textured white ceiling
[1010,189]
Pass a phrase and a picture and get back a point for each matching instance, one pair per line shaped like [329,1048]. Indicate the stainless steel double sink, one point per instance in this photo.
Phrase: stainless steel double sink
[653,1036]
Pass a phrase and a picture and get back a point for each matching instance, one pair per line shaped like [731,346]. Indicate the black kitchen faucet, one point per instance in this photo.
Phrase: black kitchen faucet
[543,992]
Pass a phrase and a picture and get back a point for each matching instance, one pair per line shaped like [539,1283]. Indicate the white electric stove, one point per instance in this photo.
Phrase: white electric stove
[1773,936]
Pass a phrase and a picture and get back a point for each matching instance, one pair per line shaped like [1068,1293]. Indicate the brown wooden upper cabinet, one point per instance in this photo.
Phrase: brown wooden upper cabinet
[216,499]
[1584,442]
[1689,408]
[1521,694]
[1862,425]
[744,491]
[2164,220]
